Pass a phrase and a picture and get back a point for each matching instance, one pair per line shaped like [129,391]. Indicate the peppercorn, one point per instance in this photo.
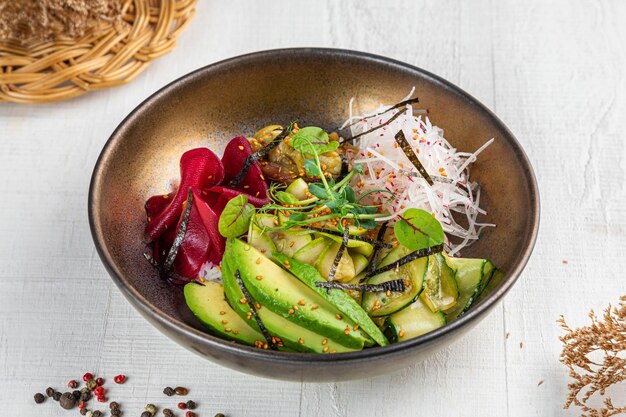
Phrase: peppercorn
[116,412]
[191,405]
[82,405]
[50,391]
[72,384]
[85,395]
[119,379]
[76,394]
[101,399]
[97,413]
[146,414]
[89,414]
[39,398]
[99,391]
[83,411]
[92,384]
[56,396]
[182,405]
[167,412]
[169,391]
[67,401]
[219,415]
[190,414]
[87,377]
[151,408]
[181,391]
[113,405]
[100,381]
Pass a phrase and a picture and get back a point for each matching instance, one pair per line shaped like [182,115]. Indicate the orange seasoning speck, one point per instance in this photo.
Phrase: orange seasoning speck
[258,261]
[401,333]
[291,311]
[338,316]
[259,277]
[325,349]
[300,341]
[240,147]
[314,307]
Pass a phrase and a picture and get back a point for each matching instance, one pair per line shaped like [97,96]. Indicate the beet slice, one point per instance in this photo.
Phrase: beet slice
[217,197]
[233,160]
[209,220]
[199,168]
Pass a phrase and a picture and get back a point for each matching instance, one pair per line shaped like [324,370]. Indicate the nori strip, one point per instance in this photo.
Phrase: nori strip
[408,258]
[396,285]
[260,154]
[180,236]
[171,276]
[380,236]
[435,178]
[395,106]
[250,301]
[391,119]
[342,248]
[408,151]
[374,242]
[345,166]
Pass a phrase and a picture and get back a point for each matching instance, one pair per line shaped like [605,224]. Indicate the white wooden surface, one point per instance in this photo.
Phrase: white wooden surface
[552,70]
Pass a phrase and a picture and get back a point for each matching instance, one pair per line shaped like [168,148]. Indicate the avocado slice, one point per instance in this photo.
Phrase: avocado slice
[286,241]
[341,300]
[289,333]
[285,295]
[208,304]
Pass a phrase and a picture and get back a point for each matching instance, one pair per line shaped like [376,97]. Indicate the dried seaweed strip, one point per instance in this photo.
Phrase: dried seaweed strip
[255,314]
[408,151]
[171,276]
[342,248]
[396,106]
[422,253]
[391,119]
[180,236]
[374,242]
[396,285]
[258,155]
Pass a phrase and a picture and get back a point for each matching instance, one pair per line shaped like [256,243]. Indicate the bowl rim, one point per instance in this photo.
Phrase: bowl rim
[181,328]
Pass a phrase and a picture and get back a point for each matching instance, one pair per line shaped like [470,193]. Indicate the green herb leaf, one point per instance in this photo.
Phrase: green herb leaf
[418,229]
[313,139]
[349,193]
[358,168]
[235,218]
[298,217]
[368,224]
[318,190]
[286,198]
[311,167]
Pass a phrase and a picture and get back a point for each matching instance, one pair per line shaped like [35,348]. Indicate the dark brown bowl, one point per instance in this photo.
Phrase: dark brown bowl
[236,97]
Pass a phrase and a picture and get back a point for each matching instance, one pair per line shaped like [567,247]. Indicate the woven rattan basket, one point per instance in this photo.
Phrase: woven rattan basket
[105,56]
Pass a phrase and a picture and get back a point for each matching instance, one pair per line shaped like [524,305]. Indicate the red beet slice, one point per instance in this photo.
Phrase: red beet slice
[217,197]
[199,168]
[233,160]
[210,219]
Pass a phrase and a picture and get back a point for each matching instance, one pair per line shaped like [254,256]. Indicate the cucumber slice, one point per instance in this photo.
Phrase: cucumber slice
[355,246]
[469,276]
[342,301]
[312,251]
[289,332]
[356,294]
[289,242]
[208,304]
[440,288]
[379,303]
[285,241]
[345,270]
[413,321]
[298,188]
[360,263]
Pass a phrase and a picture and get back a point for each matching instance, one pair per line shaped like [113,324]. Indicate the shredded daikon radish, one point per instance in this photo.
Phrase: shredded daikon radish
[388,168]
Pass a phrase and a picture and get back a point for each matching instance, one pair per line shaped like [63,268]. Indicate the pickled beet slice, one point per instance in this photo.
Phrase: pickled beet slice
[199,168]
[233,160]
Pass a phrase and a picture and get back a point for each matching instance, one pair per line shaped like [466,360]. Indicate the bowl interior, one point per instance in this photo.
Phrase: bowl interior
[237,97]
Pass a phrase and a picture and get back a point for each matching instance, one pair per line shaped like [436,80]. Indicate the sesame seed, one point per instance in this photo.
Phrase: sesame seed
[240,147]
[292,243]
[258,306]
[314,307]
[290,311]
[243,300]
[401,333]
[301,302]
[258,261]
[222,313]
[259,277]
[338,316]
[224,321]
[235,331]
[333,351]
[324,341]
[300,341]
[356,327]
[227,329]
[388,293]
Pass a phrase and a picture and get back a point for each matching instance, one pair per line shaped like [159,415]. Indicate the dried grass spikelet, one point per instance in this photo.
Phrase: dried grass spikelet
[28,21]
[605,336]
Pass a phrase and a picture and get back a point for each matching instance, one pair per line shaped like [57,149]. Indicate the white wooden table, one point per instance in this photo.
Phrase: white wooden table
[552,70]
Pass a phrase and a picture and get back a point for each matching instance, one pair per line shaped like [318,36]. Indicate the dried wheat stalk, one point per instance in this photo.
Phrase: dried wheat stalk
[605,336]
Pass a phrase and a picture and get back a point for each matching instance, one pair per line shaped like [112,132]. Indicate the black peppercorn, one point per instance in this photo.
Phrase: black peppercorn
[169,391]
[113,405]
[167,412]
[56,396]
[83,411]
[146,414]
[39,398]
[181,391]
[219,415]
[50,391]
[67,401]
[85,396]
[191,405]
[76,394]
[97,413]
[116,412]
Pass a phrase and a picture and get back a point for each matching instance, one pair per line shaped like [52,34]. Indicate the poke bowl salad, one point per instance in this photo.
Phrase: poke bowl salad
[299,239]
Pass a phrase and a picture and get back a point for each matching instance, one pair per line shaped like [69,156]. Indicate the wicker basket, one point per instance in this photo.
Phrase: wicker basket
[104,57]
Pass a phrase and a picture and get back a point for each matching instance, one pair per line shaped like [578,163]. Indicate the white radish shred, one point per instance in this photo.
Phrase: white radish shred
[388,168]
